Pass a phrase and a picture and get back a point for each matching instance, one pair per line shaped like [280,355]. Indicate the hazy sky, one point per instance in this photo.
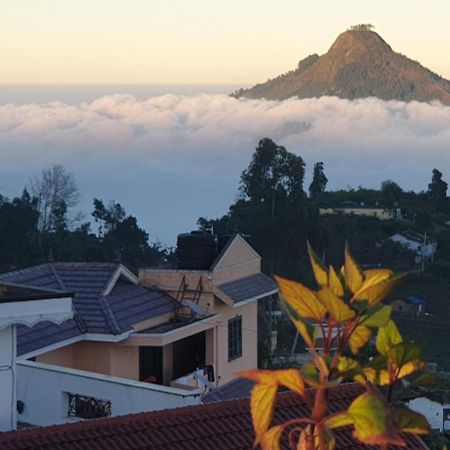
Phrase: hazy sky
[200,41]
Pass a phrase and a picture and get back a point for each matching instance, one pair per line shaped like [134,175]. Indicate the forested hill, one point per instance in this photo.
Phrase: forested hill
[359,64]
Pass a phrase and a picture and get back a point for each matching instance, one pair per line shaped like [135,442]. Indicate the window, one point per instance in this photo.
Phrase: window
[235,338]
[87,407]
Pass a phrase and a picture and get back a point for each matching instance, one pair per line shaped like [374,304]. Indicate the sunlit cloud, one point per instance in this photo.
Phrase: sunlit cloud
[170,159]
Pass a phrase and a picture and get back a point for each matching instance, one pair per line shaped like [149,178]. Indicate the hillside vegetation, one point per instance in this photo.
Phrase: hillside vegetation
[359,64]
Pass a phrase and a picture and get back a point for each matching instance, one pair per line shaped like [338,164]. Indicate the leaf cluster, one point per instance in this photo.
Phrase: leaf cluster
[345,311]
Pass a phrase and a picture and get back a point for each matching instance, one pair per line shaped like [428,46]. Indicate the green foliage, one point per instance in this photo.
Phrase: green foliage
[319,182]
[273,173]
[23,242]
[437,189]
[362,26]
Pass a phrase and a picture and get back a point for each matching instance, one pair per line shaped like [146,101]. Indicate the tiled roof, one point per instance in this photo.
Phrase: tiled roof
[218,426]
[114,313]
[247,288]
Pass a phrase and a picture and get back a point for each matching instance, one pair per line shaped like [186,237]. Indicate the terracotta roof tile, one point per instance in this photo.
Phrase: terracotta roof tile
[220,426]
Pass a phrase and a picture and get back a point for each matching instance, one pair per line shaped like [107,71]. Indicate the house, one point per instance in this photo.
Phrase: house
[409,306]
[223,425]
[435,410]
[361,209]
[166,335]
[420,244]
[26,306]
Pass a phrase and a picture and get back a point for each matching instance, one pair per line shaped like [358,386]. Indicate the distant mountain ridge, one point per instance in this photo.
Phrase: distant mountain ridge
[359,64]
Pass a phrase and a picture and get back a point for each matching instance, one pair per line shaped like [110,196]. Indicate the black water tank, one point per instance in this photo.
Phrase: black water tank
[196,250]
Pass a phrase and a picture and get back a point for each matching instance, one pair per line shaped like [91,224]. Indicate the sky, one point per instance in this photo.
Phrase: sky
[132,98]
[200,41]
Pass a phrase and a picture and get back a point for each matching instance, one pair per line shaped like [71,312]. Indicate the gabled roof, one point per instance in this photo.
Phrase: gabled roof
[235,238]
[219,426]
[252,287]
[106,300]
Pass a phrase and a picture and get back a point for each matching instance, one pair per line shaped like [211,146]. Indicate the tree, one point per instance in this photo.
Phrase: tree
[319,181]
[55,190]
[390,193]
[273,173]
[345,310]
[437,189]
[19,243]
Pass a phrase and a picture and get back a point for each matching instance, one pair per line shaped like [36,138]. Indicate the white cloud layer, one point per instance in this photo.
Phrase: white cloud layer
[172,158]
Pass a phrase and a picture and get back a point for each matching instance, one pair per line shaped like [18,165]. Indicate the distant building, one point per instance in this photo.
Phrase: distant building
[353,208]
[410,306]
[420,244]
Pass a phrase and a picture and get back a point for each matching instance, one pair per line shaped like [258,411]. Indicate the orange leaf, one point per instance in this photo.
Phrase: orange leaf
[339,310]
[271,439]
[289,378]
[335,283]
[319,270]
[379,377]
[353,274]
[377,288]
[359,338]
[262,403]
[301,299]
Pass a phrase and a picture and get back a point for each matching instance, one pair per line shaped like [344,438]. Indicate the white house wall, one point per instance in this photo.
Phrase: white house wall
[433,411]
[7,378]
[43,389]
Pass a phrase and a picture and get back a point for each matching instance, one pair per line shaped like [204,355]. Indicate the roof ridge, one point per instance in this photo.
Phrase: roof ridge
[109,315]
[58,279]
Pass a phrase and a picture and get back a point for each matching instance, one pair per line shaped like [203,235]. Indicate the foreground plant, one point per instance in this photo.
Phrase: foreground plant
[344,311]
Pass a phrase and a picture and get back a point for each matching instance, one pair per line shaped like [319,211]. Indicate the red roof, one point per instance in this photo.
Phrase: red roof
[219,426]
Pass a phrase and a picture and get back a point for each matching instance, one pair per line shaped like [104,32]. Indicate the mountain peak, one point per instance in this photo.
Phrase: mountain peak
[363,39]
[358,64]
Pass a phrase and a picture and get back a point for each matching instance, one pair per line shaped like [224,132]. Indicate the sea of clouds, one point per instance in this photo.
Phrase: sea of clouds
[173,158]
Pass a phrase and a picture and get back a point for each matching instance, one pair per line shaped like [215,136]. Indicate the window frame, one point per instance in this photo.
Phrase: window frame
[235,338]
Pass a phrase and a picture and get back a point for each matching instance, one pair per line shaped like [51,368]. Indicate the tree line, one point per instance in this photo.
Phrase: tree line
[40,225]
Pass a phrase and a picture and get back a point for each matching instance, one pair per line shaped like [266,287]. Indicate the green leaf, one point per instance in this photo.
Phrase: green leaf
[387,338]
[372,421]
[403,353]
[421,377]
[350,369]
[376,317]
[310,374]
[410,421]
[341,419]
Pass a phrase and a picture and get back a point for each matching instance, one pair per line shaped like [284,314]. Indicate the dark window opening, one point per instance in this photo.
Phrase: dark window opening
[235,338]
[189,354]
[150,364]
